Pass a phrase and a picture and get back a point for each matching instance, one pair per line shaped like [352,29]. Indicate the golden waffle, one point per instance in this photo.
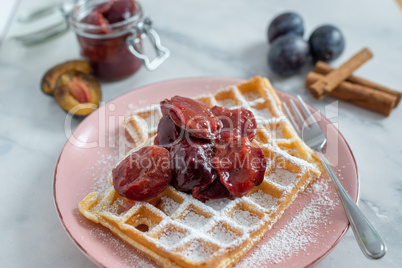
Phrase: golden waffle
[176,230]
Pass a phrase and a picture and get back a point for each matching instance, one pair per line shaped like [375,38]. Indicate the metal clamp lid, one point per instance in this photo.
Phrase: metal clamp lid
[144,27]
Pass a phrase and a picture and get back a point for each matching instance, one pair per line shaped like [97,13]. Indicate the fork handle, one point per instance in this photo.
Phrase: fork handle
[369,240]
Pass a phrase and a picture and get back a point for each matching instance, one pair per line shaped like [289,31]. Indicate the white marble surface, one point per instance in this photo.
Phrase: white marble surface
[206,38]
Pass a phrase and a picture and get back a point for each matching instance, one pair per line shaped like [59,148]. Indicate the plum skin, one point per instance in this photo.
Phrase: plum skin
[326,43]
[236,122]
[143,174]
[285,23]
[288,54]
[194,117]
[191,163]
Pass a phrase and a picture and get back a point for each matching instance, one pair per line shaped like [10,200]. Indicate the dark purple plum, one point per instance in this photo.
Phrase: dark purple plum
[288,53]
[285,23]
[326,43]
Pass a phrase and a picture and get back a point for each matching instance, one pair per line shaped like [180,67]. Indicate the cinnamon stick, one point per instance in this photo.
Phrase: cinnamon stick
[330,81]
[324,68]
[363,96]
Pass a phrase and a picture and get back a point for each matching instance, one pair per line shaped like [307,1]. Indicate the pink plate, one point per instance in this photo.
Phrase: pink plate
[308,230]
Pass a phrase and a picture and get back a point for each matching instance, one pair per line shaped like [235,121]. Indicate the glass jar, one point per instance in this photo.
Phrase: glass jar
[115,50]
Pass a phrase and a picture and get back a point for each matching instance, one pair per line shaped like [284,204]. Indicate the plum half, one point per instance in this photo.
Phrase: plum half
[77,93]
[50,78]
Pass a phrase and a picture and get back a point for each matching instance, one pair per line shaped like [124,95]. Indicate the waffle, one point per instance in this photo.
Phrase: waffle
[176,230]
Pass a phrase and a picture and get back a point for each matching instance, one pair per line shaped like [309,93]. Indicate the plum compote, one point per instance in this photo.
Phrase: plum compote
[236,123]
[210,153]
[102,37]
[167,132]
[195,117]
[143,174]
[191,163]
[240,165]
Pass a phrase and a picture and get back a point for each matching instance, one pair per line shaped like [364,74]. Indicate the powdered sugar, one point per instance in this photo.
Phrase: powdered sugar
[261,115]
[100,172]
[245,218]
[223,235]
[276,131]
[264,200]
[282,177]
[194,220]
[227,103]
[299,232]
[169,206]
[122,253]
[198,251]
[171,237]
[251,95]
[217,204]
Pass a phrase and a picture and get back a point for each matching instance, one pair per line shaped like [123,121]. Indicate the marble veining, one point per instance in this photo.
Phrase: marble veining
[206,38]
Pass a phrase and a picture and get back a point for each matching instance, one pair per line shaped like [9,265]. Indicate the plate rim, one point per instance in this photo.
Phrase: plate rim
[178,80]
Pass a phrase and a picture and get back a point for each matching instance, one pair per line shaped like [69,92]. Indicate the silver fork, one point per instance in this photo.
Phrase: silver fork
[367,237]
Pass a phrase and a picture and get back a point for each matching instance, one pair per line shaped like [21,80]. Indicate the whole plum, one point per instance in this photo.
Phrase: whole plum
[288,53]
[326,43]
[285,23]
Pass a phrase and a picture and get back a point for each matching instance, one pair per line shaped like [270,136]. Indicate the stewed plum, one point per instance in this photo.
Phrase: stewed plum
[236,123]
[165,107]
[121,10]
[240,166]
[104,7]
[285,23]
[191,163]
[167,132]
[96,18]
[143,174]
[288,54]
[219,163]
[111,12]
[326,43]
[195,117]
[214,190]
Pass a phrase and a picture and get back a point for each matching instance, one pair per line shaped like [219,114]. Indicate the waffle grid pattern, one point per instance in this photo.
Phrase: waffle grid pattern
[174,229]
